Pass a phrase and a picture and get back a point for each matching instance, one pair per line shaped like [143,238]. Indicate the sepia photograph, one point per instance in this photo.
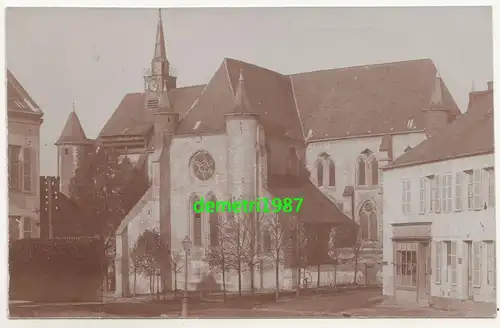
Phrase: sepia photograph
[247,162]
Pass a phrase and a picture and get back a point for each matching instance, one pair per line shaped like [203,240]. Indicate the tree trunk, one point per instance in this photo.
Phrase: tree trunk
[252,277]
[355,268]
[277,269]
[319,275]
[298,283]
[135,280]
[224,283]
[335,276]
[175,283]
[157,285]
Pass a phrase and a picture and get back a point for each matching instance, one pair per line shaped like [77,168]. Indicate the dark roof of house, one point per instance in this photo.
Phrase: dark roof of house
[470,134]
[18,100]
[132,118]
[73,132]
[352,101]
[316,206]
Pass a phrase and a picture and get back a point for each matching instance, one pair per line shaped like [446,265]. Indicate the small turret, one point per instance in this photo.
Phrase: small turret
[436,115]
[72,147]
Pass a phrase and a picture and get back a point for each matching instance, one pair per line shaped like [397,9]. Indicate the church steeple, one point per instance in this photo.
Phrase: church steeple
[160,64]
[160,81]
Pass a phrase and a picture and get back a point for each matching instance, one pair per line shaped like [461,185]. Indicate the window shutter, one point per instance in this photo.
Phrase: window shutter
[26,169]
[454,276]
[458,191]
[422,196]
[437,277]
[477,190]
[437,208]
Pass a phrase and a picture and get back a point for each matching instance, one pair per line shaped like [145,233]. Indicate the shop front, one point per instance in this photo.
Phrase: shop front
[412,262]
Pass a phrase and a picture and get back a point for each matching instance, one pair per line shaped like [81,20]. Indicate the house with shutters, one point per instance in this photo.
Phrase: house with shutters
[24,118]
[253,132]
[439,215]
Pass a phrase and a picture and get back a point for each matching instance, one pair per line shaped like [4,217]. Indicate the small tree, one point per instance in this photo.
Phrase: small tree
[177,265]
[218,252]
[235,241]
[149,252]
[276,227]
[357,251]
[333,253]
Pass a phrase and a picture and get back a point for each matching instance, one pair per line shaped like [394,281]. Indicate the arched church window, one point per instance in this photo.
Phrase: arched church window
[361,172]
[374,165]
[197,226]
[331,175]
[293,161]
[213,223]
[319,172]
[264,165]
[368,222]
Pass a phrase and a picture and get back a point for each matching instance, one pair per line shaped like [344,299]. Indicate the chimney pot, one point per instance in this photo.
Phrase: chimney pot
[490,85]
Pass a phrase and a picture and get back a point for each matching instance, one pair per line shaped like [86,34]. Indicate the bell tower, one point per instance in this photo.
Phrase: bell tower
[160,78]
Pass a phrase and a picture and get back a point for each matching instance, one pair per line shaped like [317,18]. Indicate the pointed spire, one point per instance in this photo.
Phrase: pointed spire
[437,92]
[160,52]
[241,103]
[73,132]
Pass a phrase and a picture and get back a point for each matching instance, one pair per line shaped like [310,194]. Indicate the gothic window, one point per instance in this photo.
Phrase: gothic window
[361,172]
[375,180]
[213,222]
[331,175]
[196,223]
[369,222]
[293,161]
[319,172]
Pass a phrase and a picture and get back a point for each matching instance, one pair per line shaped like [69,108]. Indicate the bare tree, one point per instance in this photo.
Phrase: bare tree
[357,251]
[176,264]
[218,252]
[275,228]
[235,241]
[333,252]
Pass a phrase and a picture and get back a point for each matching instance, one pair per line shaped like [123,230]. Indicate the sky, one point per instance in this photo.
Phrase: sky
[93,57]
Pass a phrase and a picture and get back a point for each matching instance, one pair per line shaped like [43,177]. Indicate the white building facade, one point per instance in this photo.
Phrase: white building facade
[439,217]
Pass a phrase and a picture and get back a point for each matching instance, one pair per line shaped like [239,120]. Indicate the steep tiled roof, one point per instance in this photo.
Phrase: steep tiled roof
[344,102]
[471,133]
[316,207]
[17,97]
[132,118]
[73,132]
[366,100]
[269,95]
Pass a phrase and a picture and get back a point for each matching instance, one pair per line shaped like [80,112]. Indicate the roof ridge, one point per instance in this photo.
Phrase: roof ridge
[366,65]
[255,66]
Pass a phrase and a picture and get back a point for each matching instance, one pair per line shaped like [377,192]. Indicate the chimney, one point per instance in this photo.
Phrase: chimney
[490,85]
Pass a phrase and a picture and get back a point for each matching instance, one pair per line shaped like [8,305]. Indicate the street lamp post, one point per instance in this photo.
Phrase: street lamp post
[186,243]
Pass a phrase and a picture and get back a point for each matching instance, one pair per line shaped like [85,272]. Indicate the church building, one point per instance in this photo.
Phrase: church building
[253,132]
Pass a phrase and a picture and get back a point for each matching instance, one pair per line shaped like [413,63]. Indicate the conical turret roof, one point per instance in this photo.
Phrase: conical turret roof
[73,132]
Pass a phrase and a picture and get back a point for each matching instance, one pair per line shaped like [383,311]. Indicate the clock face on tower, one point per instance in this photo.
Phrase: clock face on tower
[153,84]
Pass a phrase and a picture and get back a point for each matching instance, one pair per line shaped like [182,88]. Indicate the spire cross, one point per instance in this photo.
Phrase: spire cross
[73,106]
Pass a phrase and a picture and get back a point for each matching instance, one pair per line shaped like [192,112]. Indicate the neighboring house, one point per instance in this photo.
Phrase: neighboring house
[24,121]
[327,134]
[439,215]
